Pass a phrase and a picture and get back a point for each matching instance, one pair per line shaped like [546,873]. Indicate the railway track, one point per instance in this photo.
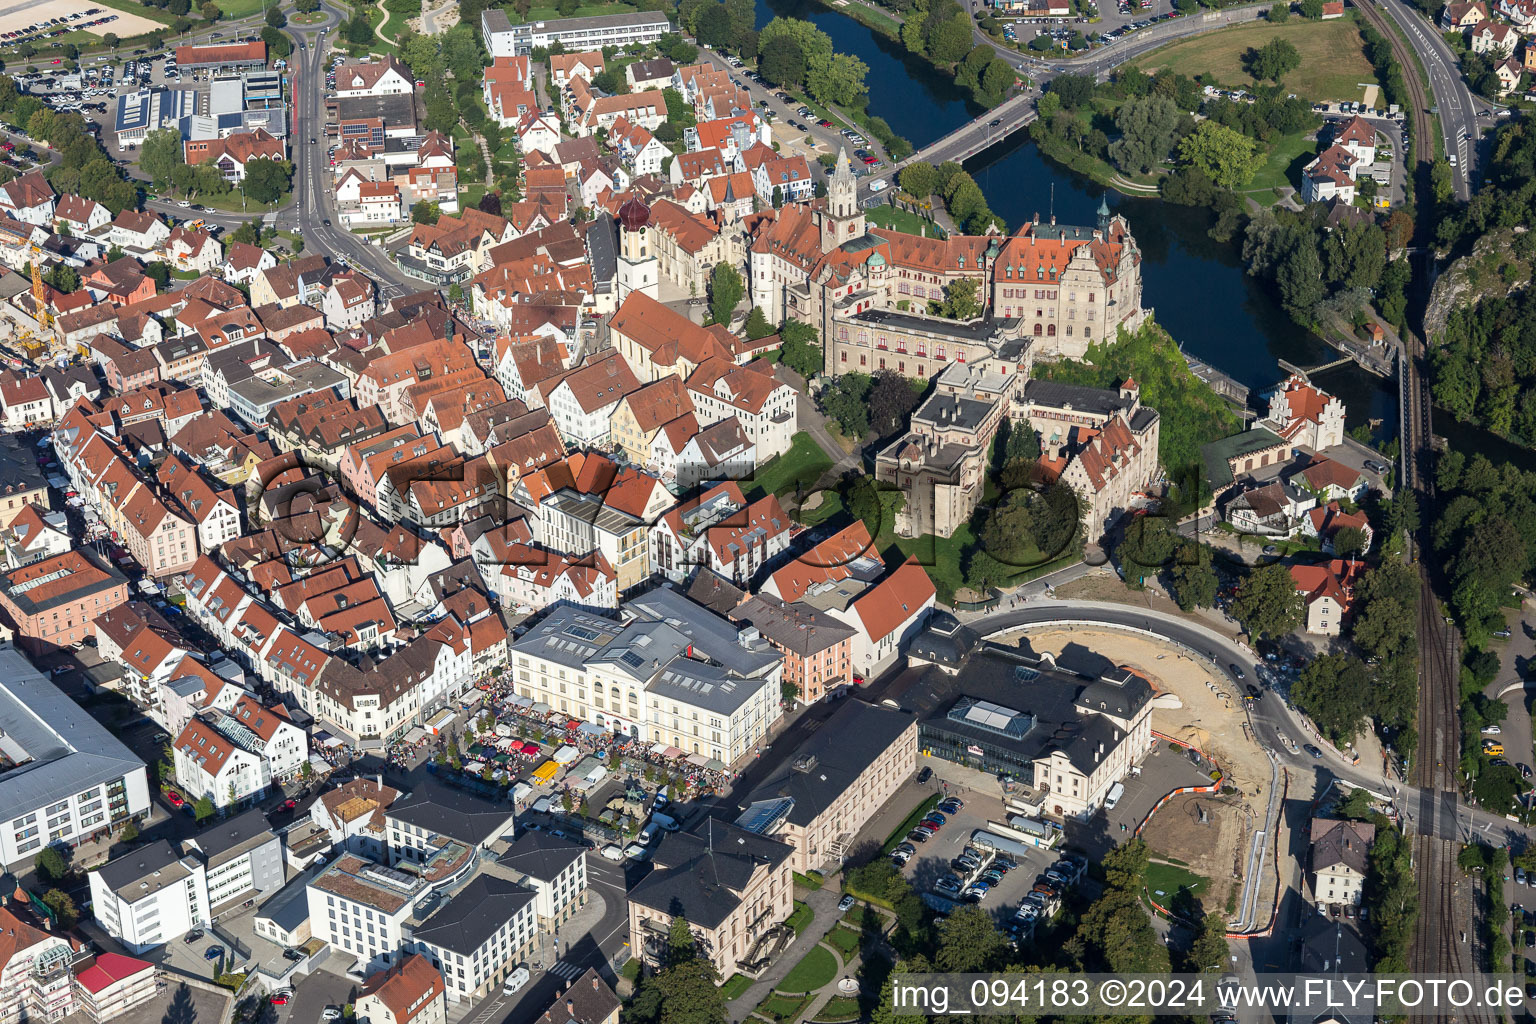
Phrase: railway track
[1418,101]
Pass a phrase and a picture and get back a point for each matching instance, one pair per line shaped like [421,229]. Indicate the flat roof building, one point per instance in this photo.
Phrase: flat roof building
[63,776]
[503,39]
[1069,731]
[222,56]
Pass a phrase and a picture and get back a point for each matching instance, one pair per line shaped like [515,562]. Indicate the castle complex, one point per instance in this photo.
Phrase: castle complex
[1050,290]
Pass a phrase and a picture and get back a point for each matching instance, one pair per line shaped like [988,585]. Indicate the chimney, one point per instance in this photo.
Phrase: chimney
[570,1008]
[378,780]
[595,985]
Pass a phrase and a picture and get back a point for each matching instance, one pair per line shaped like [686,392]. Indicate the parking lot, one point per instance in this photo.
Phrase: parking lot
[934,859]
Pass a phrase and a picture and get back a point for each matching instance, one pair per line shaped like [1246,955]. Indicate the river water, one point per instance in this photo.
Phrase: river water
[1198,287]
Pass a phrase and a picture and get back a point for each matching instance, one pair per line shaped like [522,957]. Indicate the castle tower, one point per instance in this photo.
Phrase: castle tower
[1104,216]
[638,270]
[843,218]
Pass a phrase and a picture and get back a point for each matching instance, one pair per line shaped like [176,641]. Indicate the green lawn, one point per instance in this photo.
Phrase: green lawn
[1332,64]
[943,558]
[734,986]
[845,940]
[631,970]
[815,970]
[840,1008]
[1286,158]
[1165,880]
[800,917]
[782,1007]
[901,220]
[395,25]
[234,9]
[812,881]
[800,466]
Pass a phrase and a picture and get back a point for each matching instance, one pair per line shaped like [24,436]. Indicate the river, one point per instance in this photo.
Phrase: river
[1197,286]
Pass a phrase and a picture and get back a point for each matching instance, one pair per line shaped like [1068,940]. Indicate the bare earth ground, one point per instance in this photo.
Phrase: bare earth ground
[1212,719]
[19,15]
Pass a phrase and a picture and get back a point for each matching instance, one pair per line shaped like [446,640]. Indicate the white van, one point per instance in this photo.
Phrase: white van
[612,852]
[1113,796]
[878,185]
[516,980]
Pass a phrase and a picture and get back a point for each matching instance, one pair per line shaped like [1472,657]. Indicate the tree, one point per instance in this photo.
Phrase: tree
[461,53]
[781,62]
[845,401]
[63,908]
[726,290]
[1210,951]
[713,27]
[1147,128]
[357,31]
[1312,10]
[778,197]
[210,12]
[267,180]
[277,43]
[110,40]
[1274,60]
[1280,13]
[203,809]
[969,942]
[490,203]
[839,81]
[1226,156]
[891,401]
[1300,279]
[424,212]
[275,17]
[961,301]
[757,325]
[1073,90]
[1194,581]
[1349,542]
[160,153]
[920,180]
[949,39]
[50,865]
[1267,603]
[306,6]
[130,832]
[159,273]
[799,348]
[1335,691]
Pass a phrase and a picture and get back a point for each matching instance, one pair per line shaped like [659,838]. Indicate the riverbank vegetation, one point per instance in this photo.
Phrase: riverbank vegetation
[1192,414]
[962,197]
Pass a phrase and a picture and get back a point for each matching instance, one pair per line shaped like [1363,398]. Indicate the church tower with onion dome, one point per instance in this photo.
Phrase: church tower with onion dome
[638,269]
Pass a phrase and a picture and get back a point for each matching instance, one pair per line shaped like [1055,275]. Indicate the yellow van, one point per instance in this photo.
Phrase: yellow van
[1493,748]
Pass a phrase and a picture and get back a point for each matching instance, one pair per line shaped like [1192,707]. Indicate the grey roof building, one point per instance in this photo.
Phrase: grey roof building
[1010,711]
[796,628]
[701,874]
[432,810]
[52,752]
[471,917]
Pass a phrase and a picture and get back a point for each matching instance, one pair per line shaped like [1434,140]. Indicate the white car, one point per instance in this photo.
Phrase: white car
[612,852]
[1491,730]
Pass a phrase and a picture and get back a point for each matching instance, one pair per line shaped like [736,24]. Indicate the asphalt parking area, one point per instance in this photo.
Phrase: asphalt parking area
[932,859]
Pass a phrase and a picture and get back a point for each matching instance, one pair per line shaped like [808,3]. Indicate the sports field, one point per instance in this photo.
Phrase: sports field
[1332,64]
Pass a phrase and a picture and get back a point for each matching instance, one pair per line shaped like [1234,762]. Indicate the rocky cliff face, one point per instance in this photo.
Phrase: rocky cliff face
[1500,263]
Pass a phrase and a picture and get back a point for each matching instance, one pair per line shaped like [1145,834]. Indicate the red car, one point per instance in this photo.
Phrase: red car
[290,804]
[279,999]
[825,123]
[57,60]
[174,798]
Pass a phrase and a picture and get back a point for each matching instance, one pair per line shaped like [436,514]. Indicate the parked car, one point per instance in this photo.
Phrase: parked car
[845,904]
[924,775]
[192,936]
[213,952]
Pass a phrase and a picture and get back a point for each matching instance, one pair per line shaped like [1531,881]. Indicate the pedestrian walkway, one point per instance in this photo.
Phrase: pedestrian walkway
[825,916]
[567,970]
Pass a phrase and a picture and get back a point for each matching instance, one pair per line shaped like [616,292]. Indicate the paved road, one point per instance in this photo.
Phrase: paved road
[1014,114]
[313,211]
[1459,109]
[1443,814]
